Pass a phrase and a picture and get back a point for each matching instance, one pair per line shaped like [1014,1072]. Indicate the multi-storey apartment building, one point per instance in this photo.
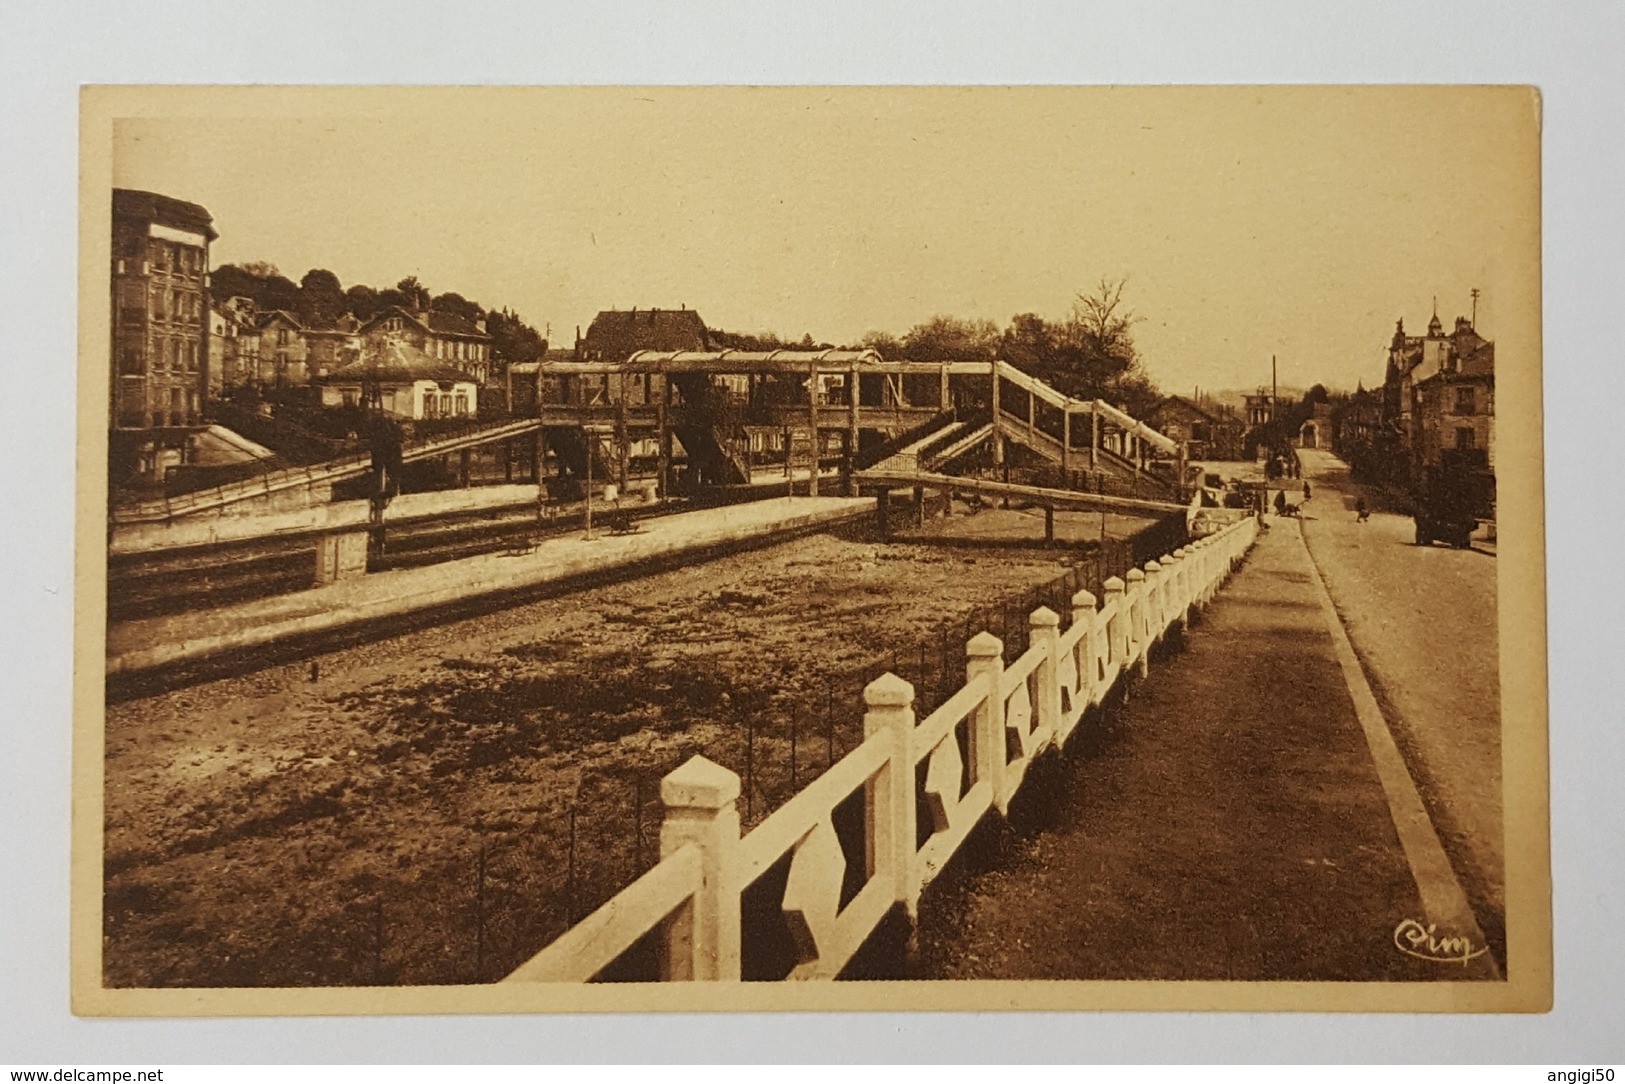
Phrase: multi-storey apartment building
[159,349]
[160,337]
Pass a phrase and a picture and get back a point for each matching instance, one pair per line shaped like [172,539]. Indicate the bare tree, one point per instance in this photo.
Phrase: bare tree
[1102,328]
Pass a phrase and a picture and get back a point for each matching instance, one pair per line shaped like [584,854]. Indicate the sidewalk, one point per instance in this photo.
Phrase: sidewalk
[1228,823]
[160,641]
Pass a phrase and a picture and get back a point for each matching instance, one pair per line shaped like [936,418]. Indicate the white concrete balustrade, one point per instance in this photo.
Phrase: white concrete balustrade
[1009,715]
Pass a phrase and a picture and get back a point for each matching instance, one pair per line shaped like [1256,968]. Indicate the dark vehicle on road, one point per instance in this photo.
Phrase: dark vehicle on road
[1446,508]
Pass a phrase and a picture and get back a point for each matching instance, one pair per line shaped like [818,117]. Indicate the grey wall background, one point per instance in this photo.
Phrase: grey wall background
[1570,50]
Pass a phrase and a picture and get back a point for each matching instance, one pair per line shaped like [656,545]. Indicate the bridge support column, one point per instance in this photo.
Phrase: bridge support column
[812,418]
[1066,442]
[341,555]
[663,481]
[1094,438]
[623,448]
[882,511]
[997,435]
[851,429]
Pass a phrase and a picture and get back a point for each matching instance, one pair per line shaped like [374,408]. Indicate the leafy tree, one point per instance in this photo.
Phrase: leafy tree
[321,298]
[512,339]
[413,294]
[884,343]
[1032,345]
[231,280]
[762,340]
[362,302]
[457,305]
[948,338]
[260,282]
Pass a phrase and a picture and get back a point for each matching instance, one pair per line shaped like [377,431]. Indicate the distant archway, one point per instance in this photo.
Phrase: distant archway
[1309,436]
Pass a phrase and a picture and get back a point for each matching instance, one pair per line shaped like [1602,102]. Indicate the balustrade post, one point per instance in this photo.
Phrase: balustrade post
[1156,595]
[984,662]
[1204,570]
[1117,624]
[889,797]
[1044,630]
[1084,612]
[1139,639]
[702,936]
[1179,600]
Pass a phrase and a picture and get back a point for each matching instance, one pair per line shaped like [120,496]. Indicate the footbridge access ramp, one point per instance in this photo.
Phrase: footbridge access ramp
[317,474]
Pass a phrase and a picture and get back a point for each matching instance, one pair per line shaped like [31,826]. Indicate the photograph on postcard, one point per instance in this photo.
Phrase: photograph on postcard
[654,548]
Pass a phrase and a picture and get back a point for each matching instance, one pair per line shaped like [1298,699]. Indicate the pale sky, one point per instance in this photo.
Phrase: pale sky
[1249,221]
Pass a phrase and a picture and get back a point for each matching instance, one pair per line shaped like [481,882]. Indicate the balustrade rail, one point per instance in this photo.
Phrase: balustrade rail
[968,756]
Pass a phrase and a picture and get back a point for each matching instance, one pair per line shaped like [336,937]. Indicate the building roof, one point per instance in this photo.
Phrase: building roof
[614,335]
[266,317]
[395,363]
[434,321]
[1181,402]
[165,210]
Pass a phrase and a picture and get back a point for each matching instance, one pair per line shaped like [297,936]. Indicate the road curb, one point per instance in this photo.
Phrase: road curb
[1443,898]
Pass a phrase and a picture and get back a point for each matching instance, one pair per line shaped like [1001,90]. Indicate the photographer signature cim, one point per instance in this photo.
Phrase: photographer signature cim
[1423,942]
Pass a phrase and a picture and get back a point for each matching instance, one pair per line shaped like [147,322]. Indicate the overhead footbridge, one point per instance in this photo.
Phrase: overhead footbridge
[716,414]
[702,420]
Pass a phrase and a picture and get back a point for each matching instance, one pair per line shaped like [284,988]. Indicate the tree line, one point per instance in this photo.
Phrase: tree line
[1088,354]
[319,300]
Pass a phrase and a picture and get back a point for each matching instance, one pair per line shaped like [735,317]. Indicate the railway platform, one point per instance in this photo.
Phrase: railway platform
[154,643]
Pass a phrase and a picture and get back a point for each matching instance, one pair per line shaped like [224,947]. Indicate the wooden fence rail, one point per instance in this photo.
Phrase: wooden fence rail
[976,748]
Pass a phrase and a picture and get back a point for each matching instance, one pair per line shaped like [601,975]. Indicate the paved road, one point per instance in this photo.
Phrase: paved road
[1423,621]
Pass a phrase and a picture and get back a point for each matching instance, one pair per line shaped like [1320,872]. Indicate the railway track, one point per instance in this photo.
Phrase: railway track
[184,581]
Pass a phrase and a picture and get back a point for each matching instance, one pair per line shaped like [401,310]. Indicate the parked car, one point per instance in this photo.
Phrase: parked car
[1444,509]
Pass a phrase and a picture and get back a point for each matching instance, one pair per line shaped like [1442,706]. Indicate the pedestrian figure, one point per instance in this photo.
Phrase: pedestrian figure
[1306,491]
[1280,502]
[1361,511]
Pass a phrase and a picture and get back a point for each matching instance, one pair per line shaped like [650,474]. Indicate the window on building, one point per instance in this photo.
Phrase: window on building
[1466,403]
[431,405]
[350,396]
[130,360]
[460,406]
[1464,439]
[445,405]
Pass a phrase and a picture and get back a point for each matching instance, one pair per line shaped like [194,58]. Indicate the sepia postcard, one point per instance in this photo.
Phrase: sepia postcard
[628,549]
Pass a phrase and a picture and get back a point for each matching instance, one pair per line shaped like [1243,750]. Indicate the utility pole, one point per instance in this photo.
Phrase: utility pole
[1474,292]
[1275,388]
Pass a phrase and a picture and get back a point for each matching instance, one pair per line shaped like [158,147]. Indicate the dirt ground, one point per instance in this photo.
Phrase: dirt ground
[435,807]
